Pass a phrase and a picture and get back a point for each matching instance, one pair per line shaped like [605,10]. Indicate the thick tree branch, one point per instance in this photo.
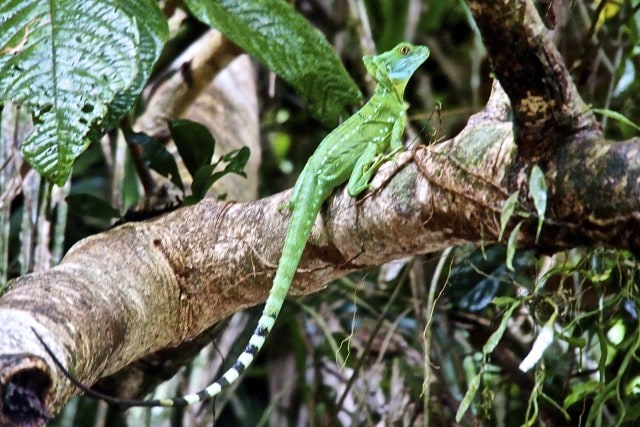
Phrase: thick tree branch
[554,128]
[547,109]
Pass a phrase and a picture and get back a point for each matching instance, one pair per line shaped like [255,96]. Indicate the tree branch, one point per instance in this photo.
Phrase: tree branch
[547,109]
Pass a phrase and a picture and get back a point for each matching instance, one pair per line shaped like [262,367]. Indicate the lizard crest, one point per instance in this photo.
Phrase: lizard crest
[395,67]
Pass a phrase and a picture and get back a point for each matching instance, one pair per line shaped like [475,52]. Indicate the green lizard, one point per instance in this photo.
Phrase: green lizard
[353,151]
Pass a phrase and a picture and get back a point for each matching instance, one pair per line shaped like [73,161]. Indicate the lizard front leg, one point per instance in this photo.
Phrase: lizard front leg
[374,156]
[365,167]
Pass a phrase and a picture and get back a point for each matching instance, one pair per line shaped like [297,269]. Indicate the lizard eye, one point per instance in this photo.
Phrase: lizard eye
[404,49]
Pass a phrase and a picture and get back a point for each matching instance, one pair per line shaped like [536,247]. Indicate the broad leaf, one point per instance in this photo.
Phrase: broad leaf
[278,36]
[194,142]
[580,392]
[154,32]
[236,161]
[205,177]
[156,157]
[202,181]
[67,62]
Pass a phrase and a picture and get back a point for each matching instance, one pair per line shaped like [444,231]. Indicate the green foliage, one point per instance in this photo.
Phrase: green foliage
[277,35]
[538,192]
[194,142]
[507,212]
[196,146]
[604,333]
[511,246]
[153,33]
[392,20]
[206,176]
[77,66]
[81,71]
[156,156]
[581,392]
[488,347]
[618,117]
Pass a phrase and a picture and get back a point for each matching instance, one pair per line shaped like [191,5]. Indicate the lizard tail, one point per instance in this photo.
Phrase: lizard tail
[297,235]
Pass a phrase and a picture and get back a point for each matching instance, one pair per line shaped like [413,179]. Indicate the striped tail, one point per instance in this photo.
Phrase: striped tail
[306,208]
[304,214]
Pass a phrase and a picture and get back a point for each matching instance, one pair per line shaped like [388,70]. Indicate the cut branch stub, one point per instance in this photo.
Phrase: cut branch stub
[25,386]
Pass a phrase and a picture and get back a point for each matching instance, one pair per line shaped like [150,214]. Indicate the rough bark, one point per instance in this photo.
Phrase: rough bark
[144,287]
[556,130]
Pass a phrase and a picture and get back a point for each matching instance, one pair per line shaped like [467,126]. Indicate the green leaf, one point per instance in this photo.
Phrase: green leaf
[205,177]
[496,336]
[154,32]
[474,385]
[67,62]
[580,392]
[579,342]
[156,156]
[274,33]
[202,181]
[236,161]
[507,212]
[538,192]
[194,142]
[511,246]
[502,301]
[617,116]
[488,347]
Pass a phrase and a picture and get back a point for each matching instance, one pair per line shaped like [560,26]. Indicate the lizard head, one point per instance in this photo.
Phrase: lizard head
[396,66]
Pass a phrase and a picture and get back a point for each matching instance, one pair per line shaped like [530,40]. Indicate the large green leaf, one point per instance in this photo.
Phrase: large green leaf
[277,35]
[154,32]
[194,142]
[156,156]
[67,62]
